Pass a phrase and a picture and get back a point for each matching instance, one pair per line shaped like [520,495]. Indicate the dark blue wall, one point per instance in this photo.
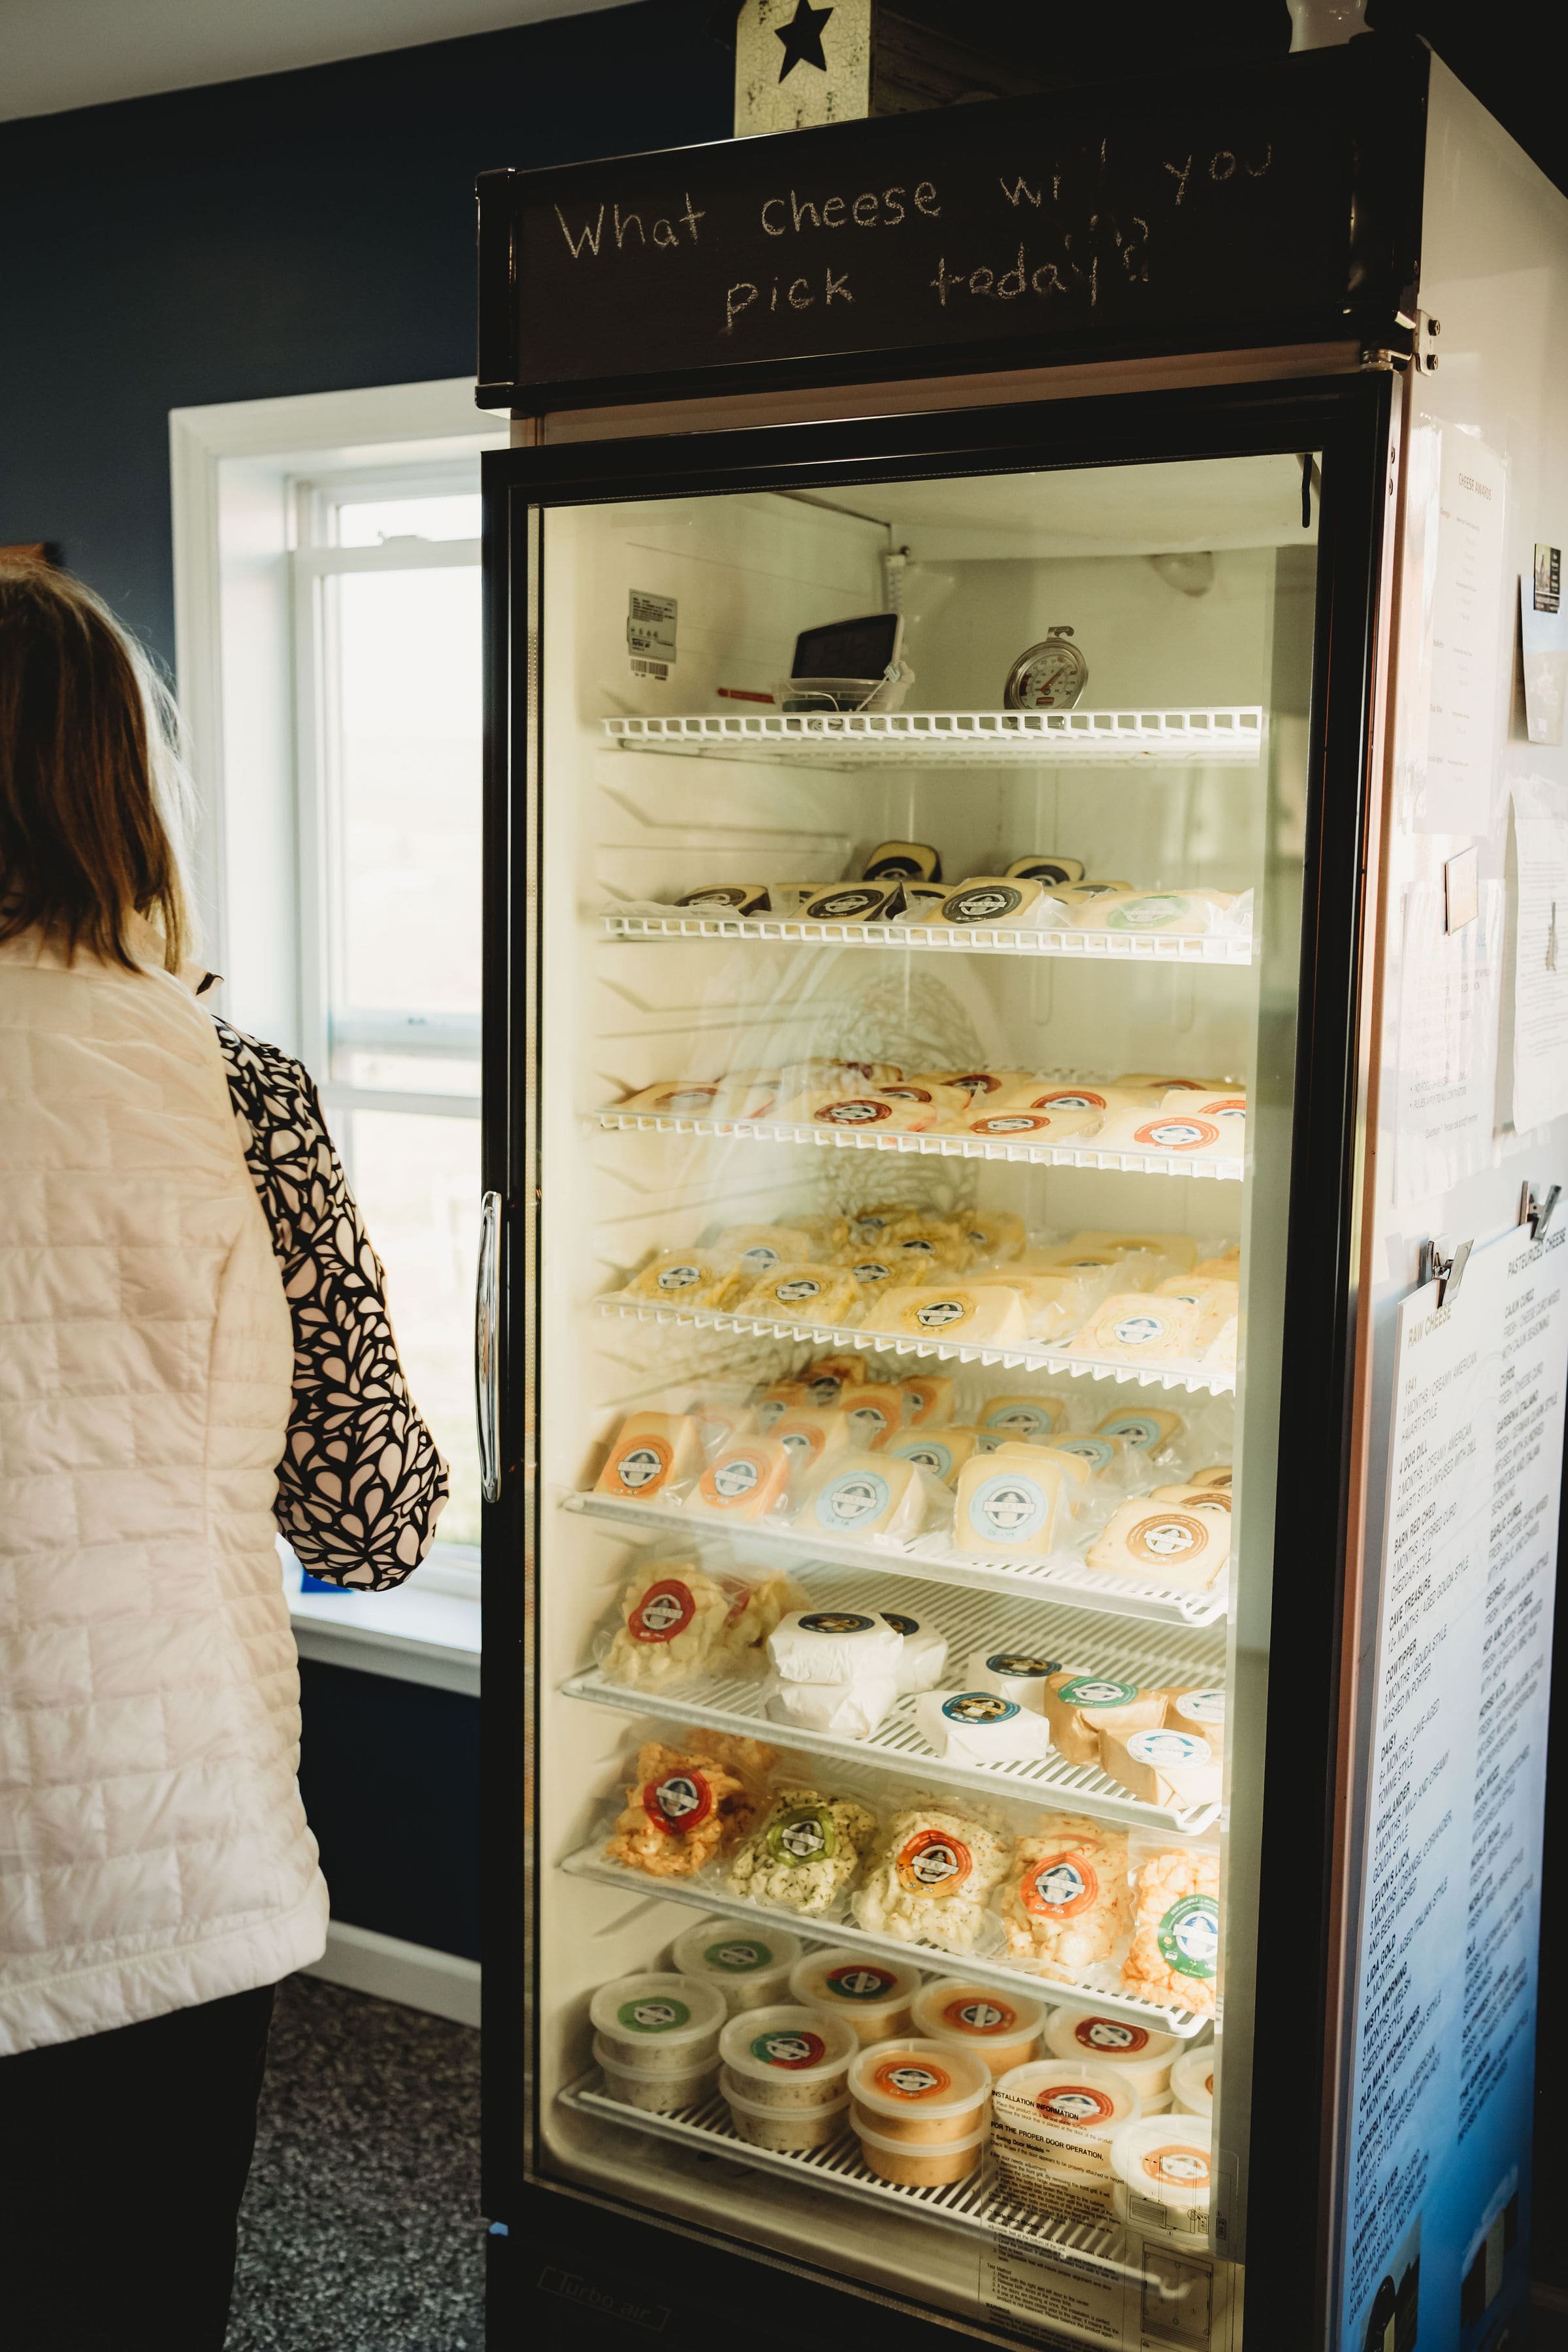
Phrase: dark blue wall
[305,232]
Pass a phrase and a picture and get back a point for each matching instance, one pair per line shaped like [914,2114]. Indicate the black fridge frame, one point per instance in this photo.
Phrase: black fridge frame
[582,2266]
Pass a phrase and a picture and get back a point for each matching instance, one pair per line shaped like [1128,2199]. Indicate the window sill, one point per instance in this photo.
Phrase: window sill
[422,1633]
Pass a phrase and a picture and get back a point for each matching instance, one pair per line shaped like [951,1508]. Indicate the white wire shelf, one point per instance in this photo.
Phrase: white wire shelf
[934,1559]
[1195,1379]
[1101,947]
[969,1620]
[1225,1170]
[1230,737]
[977,2205]
[710,1894]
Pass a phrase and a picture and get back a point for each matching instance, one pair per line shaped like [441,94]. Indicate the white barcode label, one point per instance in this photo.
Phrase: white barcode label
[641,668]
[650,633]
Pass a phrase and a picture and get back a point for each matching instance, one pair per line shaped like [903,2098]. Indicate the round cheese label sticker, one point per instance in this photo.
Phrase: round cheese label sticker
[1077,2104]
[1177,2167]
[859,1980]
[793,2048]
[1166,1536]
[653,2015]
[679,1802]
[1022,1420]
[1022,1665]
[680,1277]
[1188,1937]
[1062,1886]
[979,1706]
[928,1452]
[1142,1329]
[798,1290]
[1177,1134]
[1009,1508]
[802,1834]
[993,903]
[1095,1690]
[1168,1751]
[854,1110]
[1109,2035]
[974,2012]
[912,2078]
[732,1478]
[645,1462]
[1069,1099]
[1202,1706]
[837,1621]
[871,1270]
[941,1314]
[665,1609]
[899,1624]
[845,906]
[934,1863]
[737,1958]
[851,1501]
[1016,1122]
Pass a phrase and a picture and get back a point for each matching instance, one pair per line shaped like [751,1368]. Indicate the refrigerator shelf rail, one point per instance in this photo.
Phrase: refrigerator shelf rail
[931,1559]
[1225,1170]
[1102,946]
[703,1894]
[1192,1378]
[976,2205]
[1233,737]
[969,1622]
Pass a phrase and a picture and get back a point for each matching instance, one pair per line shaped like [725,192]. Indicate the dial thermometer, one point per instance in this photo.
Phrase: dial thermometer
[1048,677]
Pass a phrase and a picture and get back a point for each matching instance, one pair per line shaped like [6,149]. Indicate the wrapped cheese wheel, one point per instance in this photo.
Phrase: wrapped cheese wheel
[1134,1327]
[981,1727]
[1151,1429]
[1028,1418]
[861,1495]
[802,1293]
[858,1106]
[744,1480]
[1066,1904]
[1018,1675]
[875,1412]
[943,1452]
[923,1661]
[1183,1547]
[1200,1710]
[757,1249]
[1022,1123]
[1162,1766]
[653,1452]
[854,902]
[930,1399]
[833,1645]
[1080,1706]
[688,1278]
[1008,1501]
[849,1710]
[808,1433]
[966,1314]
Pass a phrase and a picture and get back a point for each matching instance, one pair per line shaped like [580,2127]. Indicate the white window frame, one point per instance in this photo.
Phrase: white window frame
[238,472]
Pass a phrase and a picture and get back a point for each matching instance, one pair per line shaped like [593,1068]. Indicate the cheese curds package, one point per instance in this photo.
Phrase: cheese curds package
[1079,1706]
[804,1851]
[874,1271]
[1181,1546]
[744,1480]
[1174,1953]
[1009,1501]
[930,1878]
[928,1400]
[854,902]
[1166,1767]
[860,1495]
[685,1806]
[653,1454]
[805,1292]
[981,1727]
[1023,1419]
[698,1277]
[922,1660]
[1067,1905]
[1136,1327]
[965,1313]
[667,1622]
[1149,1430]
[943,1451]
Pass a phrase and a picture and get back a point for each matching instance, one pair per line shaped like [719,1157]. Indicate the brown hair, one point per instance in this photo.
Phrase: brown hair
[88,764]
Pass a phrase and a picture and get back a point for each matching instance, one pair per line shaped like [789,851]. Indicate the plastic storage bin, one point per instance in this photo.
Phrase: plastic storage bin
[658,2023]
[791,2130]
[1002,2029]
[871,1996]
[788,2055]
[921,2164]
[1163,2168]
[658,2091]
[912,2089]
[751,1969]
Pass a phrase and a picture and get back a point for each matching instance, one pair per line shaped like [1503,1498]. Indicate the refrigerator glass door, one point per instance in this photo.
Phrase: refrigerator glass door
[915,1059]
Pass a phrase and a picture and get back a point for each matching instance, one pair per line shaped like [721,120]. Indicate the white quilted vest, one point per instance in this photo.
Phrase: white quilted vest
[154,1851]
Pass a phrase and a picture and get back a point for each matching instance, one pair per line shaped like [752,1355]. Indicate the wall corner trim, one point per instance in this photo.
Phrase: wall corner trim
[416,1975]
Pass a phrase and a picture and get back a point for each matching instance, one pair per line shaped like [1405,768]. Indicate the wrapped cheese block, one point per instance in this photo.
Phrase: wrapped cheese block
[1169,913]
[847,1710]
[925,1245]
[688,1278]
[947,1104]
[1187,1492]
[1102,1457]
[1181,1132]
[854,902]
[1220,1356]
[1135,1327]
[805,1292]
[1053,1305]
[833,1645]
[727,898]
[827,1230]
[1216,1304]
[873,1271]
[652,1452]
[744,1480]
[1148,1429]
[990,899]
[994,1235]
[1079,1706]
[825,1380]
[1023,1419]
[1182,1546]
[1021,1123]
[930,1399]
[671,1616]
[971,1314]
[779,1398]
[758,1249]
[1213,1474]
[808,1433]
[1018,1675]
[1075,894]
[981,1727]
[1141,2056]
[1174,1953]
[902,861]
[719,1414]
[943,1451]
[1009,1501]
[1067,1905]
[856,1106]
[922,1660]
[1179,1251]
[1201,1709]
[1164,1766]
[1110,1269]
[875,1412]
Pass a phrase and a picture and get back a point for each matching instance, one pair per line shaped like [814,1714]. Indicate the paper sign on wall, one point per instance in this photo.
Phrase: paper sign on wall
[1449,984]
[1467,587]
[1538,877]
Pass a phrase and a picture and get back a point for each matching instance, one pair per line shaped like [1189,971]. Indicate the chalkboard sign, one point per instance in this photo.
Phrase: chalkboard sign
[1274,204]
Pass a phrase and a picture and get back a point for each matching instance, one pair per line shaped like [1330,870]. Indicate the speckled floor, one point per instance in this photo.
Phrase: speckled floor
[360,2230]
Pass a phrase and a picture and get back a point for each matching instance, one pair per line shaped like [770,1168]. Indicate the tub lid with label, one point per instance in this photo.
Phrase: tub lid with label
[917,2076]
[660,2008]
[732,1953]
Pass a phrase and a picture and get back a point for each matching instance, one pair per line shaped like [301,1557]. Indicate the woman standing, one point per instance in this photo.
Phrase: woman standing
[195,1353]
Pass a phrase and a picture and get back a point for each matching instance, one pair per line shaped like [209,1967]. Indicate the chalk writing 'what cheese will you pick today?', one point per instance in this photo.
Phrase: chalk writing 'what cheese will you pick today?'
[1065,254]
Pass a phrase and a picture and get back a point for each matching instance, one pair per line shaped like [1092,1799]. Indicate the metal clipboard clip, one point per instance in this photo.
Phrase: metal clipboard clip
[1448,1273]
[1537,1215]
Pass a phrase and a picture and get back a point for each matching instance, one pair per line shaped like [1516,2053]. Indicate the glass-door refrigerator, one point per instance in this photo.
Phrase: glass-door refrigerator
[943,603]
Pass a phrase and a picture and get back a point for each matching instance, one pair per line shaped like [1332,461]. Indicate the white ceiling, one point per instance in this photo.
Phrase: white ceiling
[55,54]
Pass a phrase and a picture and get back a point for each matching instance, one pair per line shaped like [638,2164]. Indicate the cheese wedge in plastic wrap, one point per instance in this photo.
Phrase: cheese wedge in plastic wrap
[1164,1766]
[652,1452]
[779,1398]
[674,1099]
[806,1292]
[1179,1251]
[1107,1460]
[698,1277]
[943,1451]
[1220,1356]
[744,1481]
[968,1314]
[758,1249]
[828,1230]
[810,1433]
[862,1495]
[726,898]
[826,1379]
[1182,1546]
[1009,1502]
[1023,1419]
[1147,1428]
[987,901]
[930,1399]
[1023,1124]
[858,1107]
[875,1412]
[925,1245]
[720,1416]
[1139,1327]
[1216,1301]
[994,1236]
[1182,1132]
[1099,1271]
[945,1105]
[1080,1705]
[1180,914]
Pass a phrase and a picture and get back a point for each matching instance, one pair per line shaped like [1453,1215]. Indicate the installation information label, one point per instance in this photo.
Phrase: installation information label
[1155,2300]
[1440,2115]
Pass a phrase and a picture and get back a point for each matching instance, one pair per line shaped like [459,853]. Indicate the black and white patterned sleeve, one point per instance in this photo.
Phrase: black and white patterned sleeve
[360,1484]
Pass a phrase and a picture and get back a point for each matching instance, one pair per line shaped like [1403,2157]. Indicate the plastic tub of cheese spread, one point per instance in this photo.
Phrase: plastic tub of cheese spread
[915,2164]
[657,2094]
[785,2128]
[1191,2081]
[1161,2165]
[1000,2028]
[659,2023]
[1051,2128]
[1140,2054]
[915,2089]
[787,2055]
[751,1969]
[871,1996]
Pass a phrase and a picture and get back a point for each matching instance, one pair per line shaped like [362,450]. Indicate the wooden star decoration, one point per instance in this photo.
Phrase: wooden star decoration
[802,38]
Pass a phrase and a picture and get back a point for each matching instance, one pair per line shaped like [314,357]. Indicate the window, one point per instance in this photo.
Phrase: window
[387,650]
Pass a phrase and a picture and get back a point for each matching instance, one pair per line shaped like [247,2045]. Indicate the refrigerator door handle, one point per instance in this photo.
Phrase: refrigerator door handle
[486,1348]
